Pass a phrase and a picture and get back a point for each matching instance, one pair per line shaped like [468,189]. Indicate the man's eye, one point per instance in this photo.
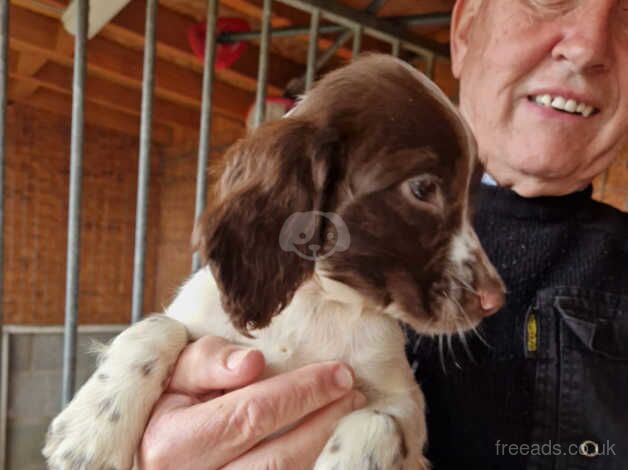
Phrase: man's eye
[551,3]
[552,6]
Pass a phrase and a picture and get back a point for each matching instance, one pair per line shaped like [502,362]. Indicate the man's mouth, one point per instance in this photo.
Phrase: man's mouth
[565,105]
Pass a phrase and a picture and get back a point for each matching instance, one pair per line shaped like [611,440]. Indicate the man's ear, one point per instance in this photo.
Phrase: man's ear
[462,18]
[284,167]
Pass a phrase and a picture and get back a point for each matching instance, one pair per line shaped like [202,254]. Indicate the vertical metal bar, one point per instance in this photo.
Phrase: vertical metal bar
[357,41]
[4,74]
[429,65]
[396,48]
[143,172]
[312,48]
[262,73]
[74,209]
[4,396]
[204,141]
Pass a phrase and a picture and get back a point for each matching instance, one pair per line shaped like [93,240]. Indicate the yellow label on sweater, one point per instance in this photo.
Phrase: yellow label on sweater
[532,332]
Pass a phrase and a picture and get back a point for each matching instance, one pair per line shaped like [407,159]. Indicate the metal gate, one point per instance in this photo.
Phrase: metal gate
[350,23]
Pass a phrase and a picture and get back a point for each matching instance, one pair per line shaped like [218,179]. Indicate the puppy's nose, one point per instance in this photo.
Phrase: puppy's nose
[491,299]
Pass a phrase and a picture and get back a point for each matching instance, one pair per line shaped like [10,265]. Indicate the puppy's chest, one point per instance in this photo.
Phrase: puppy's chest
[372,345]
[289,343]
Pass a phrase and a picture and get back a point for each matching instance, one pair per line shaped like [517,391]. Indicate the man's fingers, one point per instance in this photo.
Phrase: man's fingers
[212,363]
[299,448]
[237,421]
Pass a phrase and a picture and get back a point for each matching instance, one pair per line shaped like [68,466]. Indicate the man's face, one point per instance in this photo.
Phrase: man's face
[519,60]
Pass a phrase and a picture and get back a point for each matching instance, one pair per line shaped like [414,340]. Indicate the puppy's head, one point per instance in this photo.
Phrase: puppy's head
[366,183]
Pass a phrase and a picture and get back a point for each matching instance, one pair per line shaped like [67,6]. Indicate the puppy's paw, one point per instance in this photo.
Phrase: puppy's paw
[90,433]
[367,440]
[101,427]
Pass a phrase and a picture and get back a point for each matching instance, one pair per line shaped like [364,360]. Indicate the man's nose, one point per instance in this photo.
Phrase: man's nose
[586,35]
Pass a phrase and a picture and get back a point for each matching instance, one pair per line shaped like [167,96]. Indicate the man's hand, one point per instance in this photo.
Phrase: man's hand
[197,426]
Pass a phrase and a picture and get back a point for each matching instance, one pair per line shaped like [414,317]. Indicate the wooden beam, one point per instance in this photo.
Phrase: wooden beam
[127,28]
[95,114]
[172,43]
[283,16]
[58,78]
[36,33]
[27,65]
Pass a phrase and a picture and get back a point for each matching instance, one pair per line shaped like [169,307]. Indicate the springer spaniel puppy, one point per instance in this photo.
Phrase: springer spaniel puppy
[328,228]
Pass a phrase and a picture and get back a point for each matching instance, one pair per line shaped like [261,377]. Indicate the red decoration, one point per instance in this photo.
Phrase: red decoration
[226,54]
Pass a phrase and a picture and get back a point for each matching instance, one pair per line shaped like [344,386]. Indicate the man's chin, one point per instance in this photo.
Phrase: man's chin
[536,182]
[536,188]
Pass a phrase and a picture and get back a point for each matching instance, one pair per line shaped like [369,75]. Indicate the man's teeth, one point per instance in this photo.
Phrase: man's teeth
[562,104]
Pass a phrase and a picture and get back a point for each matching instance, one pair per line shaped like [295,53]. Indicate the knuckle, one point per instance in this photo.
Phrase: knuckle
[205,348]
[314,393]
[254,419]
[154,456]
[321,387]
[203,354]
[280,462]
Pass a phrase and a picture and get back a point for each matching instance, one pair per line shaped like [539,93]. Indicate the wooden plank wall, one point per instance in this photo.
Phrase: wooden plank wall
[37,163]
[612,186]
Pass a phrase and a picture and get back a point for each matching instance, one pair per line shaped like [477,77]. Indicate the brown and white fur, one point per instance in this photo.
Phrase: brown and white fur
[328,227]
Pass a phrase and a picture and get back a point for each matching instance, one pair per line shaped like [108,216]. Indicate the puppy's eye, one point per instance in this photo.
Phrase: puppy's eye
[422,188]
[425,191]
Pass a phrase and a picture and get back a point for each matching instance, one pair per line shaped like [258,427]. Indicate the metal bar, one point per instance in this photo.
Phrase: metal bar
[432,19]
[340,41]
[278,32]
[204,141]
[430,61]
[426,19]
[312,47]
[4,74]
[262,73]
[58,329]
[331,50]
[143,171]
[4,396]
[374,6]
[74,209]
[373,26]
[396,48]
[357,42]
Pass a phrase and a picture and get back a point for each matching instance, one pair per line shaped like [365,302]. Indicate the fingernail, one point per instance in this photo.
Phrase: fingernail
[235,358]
[343,377]
[359,400]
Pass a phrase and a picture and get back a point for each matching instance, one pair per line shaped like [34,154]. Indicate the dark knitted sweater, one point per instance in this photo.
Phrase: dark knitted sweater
[554,372]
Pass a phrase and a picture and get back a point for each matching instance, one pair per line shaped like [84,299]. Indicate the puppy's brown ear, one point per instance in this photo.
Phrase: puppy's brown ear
[274,182]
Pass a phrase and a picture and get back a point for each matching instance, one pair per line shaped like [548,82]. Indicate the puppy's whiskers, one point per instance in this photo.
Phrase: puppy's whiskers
[452,351]
[469,323]
[465,345]
[464,284]
[417,343]
[441,355]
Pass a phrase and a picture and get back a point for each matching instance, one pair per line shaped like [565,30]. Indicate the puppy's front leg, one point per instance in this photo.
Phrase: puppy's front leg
[387,435]
[102,426]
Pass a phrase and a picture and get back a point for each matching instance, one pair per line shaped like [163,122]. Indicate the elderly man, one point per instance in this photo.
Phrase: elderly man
[544,85]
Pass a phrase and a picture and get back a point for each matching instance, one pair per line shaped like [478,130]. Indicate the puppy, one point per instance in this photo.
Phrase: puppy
[328,228]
